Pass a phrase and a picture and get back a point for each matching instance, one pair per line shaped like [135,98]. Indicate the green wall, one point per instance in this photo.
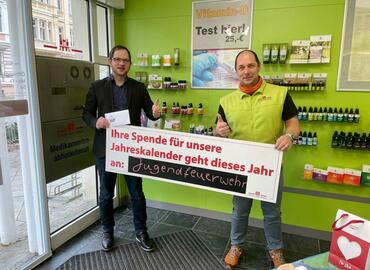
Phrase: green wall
[157,27]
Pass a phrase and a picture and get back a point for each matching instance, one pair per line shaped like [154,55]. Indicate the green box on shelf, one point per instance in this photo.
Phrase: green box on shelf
[365,175]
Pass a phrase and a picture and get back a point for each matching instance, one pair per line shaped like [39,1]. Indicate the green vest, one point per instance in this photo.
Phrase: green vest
[256,117]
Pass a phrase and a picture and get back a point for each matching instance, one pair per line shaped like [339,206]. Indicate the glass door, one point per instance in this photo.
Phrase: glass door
[24,233]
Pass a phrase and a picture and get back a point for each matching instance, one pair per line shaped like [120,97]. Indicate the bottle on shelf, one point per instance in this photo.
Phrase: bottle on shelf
[345,115]
[340,115]
[320,115]
[349,140]
[164,108]
[299,113]
[325,114]
[315,114]
[357,115]
[314,139]
[351,116]
[363,141]
[200,109]
[335,114]
[190,109]
[330,115]
[309,139]
[335,140]
[304,113]
[304,138]
[310,114]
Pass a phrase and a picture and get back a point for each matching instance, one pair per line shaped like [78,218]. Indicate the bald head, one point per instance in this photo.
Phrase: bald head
[247,52]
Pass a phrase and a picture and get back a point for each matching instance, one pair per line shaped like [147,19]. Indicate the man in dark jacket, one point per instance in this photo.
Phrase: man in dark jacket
[114,93]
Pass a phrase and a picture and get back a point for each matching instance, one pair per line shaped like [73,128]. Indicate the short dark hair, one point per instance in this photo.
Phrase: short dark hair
[117,48]
[252,52]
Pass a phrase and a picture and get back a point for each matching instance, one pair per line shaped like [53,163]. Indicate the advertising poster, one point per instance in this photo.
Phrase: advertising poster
[229,166]
[220,30]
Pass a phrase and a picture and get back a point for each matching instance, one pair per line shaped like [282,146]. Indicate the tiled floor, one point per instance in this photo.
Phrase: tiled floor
[214,233]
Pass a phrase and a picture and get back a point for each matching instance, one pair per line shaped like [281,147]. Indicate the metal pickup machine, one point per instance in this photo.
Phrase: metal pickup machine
[67,141]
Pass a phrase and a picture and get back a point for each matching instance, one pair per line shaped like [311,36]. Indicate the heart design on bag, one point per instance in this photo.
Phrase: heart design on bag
[349,249]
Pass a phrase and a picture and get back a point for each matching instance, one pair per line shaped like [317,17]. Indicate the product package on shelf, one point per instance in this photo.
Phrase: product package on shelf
[365,175]
[319,175]
[320,49]
[335,175]
[155,82]
[352,177]
[299,51]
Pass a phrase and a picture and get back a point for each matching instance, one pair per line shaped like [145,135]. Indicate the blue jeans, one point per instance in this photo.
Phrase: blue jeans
[272,219]
[106,194]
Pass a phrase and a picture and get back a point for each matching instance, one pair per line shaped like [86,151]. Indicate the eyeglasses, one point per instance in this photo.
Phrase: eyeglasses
[121,60]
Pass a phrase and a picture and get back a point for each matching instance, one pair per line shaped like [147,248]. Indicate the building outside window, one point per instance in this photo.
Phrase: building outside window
[42,29]
[50,32]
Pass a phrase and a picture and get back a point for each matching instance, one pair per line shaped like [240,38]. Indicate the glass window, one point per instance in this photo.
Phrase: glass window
[69,38]
[42,26]
[60,33]
[35,36]
[59,5]
[102,20]
[1,19]
[50,32]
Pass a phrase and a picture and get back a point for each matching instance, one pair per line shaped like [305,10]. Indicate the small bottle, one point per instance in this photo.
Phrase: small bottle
[190,109]
[299,113]
[342,140]
[351,116]
[315,114]
[345,115]
[167,82]
[164,108]
[334,140]
[178,108]
[184,110]
[191,128]
[176,57]
[310,114]
[320,115]
[340,115]
[357,115]
[349,140]
[363,141]
[304,138]
[314,139]
[356,141]
[200,109]
[309,139]
[368,142]
[300,138]
[335,115]
[330,115]
[325,114]
[210,131]
[304,114]
[173,108]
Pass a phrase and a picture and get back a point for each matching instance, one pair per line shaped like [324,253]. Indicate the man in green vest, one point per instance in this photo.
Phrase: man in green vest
[258,112]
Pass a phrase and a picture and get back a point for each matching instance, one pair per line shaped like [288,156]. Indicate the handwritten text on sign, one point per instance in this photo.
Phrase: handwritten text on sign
[230,166]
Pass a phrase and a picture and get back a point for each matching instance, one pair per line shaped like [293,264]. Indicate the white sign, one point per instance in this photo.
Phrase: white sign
[220,30]
[118,118]
[235,167]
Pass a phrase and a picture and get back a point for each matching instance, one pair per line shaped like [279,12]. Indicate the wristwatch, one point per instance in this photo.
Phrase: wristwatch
[291,136]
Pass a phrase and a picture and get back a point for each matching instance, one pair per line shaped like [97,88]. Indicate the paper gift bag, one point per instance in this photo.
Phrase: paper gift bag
[349,248]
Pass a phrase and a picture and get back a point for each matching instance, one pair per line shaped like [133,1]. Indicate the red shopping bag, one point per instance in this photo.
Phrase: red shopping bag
[350,243]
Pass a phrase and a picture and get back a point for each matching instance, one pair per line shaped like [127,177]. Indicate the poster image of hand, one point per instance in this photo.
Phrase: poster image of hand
[214,69]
